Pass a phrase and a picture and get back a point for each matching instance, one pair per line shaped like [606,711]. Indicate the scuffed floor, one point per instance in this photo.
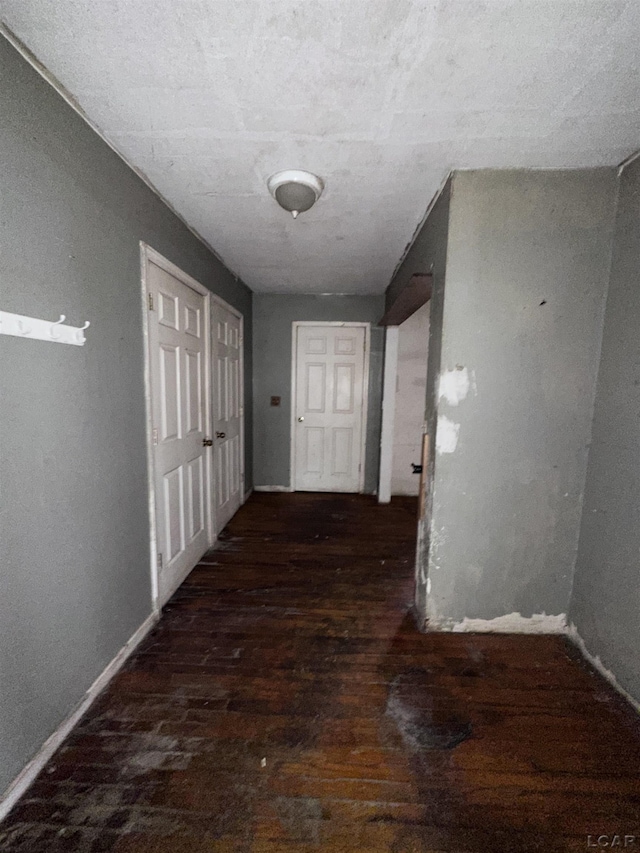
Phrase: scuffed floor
[285,702]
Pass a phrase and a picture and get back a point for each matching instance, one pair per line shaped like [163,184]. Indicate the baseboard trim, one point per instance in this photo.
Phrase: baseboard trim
[514,623]
[247,495]
[272,489]
[597,664]
[28,774]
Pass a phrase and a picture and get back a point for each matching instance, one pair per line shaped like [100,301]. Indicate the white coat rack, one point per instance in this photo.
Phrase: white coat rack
[42,330]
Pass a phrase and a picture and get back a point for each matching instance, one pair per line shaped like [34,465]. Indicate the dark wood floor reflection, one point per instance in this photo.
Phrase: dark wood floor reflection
[286,702]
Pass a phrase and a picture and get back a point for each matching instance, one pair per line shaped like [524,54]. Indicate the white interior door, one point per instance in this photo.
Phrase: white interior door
[227,414]
[330,386]
[178,346]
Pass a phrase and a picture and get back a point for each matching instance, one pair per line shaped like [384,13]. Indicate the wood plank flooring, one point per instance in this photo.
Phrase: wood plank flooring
[285,702]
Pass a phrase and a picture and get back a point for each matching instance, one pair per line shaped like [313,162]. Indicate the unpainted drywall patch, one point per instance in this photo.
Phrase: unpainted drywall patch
[438,538]
[514,623]
[454,385]
[446,435]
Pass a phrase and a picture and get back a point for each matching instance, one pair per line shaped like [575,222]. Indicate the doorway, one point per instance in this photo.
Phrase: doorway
[410,402]
[402,441]
[195,418]
[330,380]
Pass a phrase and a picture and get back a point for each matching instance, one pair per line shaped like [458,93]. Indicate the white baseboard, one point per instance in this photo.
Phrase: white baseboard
[28,774]
[272,489]
[597,664]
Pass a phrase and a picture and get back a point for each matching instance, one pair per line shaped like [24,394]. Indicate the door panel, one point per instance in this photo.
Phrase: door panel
[192,320]
[328,427]
[178,400]
[174,539]
[314,446]
[195,494]
[234,451]
[342,451]
[169,391]
[227,425]
[345,345]
[167,308]
[193,390]
[343,389]
[316,388]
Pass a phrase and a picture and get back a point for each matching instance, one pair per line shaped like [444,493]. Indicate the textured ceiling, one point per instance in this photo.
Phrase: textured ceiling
[381,98]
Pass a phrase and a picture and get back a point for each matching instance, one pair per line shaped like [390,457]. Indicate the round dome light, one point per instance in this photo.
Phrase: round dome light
[294,190]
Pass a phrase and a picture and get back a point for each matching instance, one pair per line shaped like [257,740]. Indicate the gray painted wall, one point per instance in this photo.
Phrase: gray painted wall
[605,604]
[527,264]
[273,315]
[73,515]
[428,253]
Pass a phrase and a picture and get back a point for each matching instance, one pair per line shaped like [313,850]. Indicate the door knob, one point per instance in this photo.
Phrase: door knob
[220,435]
[300,419]
[207,442]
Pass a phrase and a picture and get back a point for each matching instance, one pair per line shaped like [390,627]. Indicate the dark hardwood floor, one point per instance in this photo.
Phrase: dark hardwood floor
[285,702]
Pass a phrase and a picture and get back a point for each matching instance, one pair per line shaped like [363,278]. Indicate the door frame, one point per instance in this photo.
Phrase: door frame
[150,255]
[365,392]
[387,426]
[217,300]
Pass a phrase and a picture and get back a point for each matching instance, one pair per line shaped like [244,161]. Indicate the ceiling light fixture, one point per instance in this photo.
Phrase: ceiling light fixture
[294,190]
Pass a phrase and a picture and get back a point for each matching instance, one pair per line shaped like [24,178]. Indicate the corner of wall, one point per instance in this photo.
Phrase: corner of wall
[594,390]
[598,665]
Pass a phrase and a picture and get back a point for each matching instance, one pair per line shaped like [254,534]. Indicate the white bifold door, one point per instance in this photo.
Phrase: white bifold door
[227,414]
[329,399]
[178,345]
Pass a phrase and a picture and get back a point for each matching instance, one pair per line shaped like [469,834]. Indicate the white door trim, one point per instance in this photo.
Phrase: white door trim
[392,336]
[218,300]
[149,255]
[365,392]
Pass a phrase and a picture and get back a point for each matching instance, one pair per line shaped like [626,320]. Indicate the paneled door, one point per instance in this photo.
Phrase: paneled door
[227,413]
[329,407]
[178,349]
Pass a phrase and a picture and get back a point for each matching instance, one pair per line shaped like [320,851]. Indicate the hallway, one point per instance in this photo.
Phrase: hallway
[285,702]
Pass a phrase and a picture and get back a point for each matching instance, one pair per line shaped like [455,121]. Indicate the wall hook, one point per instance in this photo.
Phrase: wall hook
[55,334]
[36,329]
[80,333]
